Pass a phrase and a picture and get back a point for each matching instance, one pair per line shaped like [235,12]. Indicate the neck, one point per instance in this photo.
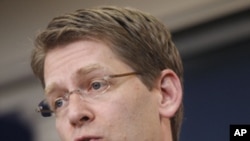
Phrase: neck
[166,129]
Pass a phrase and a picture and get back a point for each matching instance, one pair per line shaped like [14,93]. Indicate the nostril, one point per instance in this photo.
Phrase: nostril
[81,121]
[85,118]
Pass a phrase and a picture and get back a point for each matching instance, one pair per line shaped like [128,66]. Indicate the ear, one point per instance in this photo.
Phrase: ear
[170,93]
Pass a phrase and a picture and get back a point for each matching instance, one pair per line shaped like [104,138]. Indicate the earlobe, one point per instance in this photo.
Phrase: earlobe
[171,93]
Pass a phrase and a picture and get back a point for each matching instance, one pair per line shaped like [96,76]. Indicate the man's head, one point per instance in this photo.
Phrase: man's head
[112,40]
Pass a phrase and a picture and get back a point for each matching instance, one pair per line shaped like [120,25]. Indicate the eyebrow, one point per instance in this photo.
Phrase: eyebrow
[50,88]
[84,71]
[88,69]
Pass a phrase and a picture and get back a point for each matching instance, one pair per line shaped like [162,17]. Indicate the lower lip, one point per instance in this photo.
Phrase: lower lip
[94,139]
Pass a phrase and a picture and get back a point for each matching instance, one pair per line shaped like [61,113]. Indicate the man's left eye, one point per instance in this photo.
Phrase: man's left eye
[98,85]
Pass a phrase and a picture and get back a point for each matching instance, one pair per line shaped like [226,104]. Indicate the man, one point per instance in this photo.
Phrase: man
[110,74]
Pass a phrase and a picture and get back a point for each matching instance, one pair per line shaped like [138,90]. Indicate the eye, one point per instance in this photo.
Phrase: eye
[98,85]
[58,103]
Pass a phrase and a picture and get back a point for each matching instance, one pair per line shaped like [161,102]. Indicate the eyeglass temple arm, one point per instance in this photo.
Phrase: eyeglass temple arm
[124,74]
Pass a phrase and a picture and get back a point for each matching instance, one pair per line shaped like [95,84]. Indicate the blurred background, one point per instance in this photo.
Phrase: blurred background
[213,37]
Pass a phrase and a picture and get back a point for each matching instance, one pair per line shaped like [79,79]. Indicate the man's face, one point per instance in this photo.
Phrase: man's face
[127,111]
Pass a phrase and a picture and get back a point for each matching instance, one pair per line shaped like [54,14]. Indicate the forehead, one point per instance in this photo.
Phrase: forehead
[81,73]
[76,53]
[63,62]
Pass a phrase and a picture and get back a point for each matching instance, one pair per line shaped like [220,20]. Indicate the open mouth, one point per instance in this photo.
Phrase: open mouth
[89,139]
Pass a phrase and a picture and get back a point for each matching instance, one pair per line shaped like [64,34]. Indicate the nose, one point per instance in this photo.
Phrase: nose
[79,112]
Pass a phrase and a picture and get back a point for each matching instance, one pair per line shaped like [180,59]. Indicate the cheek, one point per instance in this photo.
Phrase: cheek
[63,129]
[124,102]
[129,107]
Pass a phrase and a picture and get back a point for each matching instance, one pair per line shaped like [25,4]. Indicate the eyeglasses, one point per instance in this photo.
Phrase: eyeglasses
[95,88]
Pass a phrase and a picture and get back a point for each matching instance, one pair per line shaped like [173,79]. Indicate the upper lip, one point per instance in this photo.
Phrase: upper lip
[87,138]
